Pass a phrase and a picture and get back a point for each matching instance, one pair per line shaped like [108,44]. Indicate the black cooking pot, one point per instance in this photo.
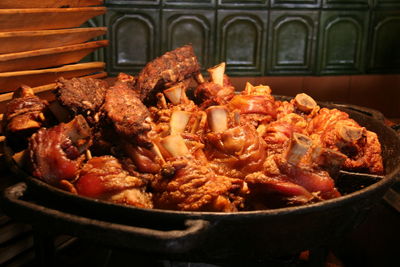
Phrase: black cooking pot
[205,236]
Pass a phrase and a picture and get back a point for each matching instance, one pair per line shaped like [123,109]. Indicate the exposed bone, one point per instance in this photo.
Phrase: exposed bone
[78,131]
[350,133]
[299,146]
[174,94]
[199,78]
[248,88]
[304,102]
[217,117]
[175,145]
[88,154]
[328,159]
[161,101]
[217,73]
[179,120]
[156,150]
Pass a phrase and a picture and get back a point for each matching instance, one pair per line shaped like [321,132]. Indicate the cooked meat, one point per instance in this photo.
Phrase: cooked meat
[24,115]
[266,192]
[57,153]
[278,133]
[127,113]
[239,148]
[256,105]
[170,68]
[195,187]
[288,185]
[82,96]
[104,178]
[334,129]
[210,93]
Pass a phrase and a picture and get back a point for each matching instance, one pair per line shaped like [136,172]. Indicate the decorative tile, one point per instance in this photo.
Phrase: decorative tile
[134,36]
[241,39]
[342,42]
[197,27]
[291,41]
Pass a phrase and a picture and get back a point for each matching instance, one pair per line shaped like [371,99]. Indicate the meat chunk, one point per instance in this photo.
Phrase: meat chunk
[195,187]
[24,115]
[57,153]
[335,130]
[278,133]
[239,148]
[172,67]
[82,96]
[104,178]
[127,113]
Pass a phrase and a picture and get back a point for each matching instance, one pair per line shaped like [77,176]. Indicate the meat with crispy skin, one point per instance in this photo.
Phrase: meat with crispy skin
[334,129]
[194,186]
[210,93]
[57,153]
[24,115]
[170,68]
[104,178]
[239,148]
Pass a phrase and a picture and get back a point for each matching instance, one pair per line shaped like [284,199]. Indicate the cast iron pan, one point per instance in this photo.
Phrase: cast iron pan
[205,236]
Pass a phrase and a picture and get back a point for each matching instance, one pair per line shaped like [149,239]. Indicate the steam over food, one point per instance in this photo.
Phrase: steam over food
[143,141]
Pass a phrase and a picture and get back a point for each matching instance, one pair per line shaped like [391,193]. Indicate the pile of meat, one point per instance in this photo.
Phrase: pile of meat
[143,141]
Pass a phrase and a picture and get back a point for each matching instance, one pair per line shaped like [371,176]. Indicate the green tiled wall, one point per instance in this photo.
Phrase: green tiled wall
[258,37]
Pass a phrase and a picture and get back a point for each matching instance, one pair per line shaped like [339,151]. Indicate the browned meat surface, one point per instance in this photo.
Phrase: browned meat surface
[172,67]
[57,153]
[210,93]
[82,96]
[334,129]
[278,133]
[24,115]
[104,178]
[239,148]
[195,187]
[128,115]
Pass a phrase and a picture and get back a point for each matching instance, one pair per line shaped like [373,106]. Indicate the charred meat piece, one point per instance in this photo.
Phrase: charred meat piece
[104,178]
[25,114]
[82,96]
[57,153]
[195,187]
[127,113]
[170,68]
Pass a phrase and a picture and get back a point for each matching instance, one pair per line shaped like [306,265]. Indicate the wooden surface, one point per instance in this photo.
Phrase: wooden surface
[10,81]
[12,42]
[46,18]
[48,3]
[49,57]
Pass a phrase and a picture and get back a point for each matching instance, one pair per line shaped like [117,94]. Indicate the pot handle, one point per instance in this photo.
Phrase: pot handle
[127,236]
